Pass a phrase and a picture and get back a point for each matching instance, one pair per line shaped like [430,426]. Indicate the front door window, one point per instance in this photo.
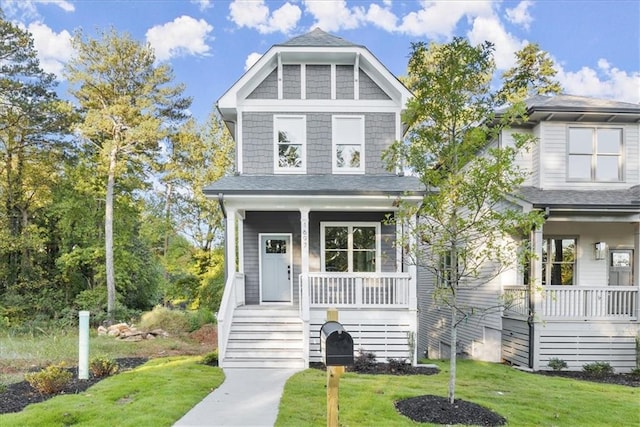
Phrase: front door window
[621,267]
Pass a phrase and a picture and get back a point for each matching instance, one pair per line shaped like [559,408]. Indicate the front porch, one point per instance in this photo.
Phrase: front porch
[578,324]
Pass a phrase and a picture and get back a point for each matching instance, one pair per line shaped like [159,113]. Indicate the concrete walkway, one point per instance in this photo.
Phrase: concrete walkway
[247,397]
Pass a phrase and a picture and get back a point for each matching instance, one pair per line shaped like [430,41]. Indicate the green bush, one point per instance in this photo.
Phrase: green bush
[50,380]
[103,367]
[174,322]
[199,318]
[210,359]
[364,361]
[598,369]
[557,364]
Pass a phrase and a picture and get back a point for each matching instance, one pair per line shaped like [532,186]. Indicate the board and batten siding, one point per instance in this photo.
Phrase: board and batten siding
[552,162]
[268,222]
[380,130]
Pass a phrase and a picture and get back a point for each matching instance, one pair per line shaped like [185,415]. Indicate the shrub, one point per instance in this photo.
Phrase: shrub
[210,359]
[399,366]
[364,361]
[49,380]
[174,322]
[103,367]
[200,317]
[635,372]
[598,369]
[557,364]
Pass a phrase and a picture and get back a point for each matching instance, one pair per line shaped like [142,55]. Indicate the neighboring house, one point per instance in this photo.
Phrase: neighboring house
[306,211]
[578,300]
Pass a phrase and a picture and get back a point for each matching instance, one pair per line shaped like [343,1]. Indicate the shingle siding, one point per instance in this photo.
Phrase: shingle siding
[369,89]
[291,86]
[318,84]
[344,82]
[267,89]
[257,153]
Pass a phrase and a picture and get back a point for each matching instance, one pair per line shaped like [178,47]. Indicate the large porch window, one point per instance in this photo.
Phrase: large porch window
[350,247]
[559,261]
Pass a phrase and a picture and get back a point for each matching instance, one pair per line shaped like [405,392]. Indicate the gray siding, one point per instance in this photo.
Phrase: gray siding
[268,222]
[344,82]
[369,89]
[291,86]
[318,85]
[268,89]
[258,142]
[387,241]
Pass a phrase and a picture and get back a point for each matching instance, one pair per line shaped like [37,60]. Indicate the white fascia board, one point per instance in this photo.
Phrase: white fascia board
[315,202]
[384,78]
[319,105]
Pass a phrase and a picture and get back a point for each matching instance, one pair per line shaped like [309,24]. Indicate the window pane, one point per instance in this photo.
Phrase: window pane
[580,167]
[364,237]
[562,274]
[607,168]
[348,156]
[609,141]
[336,237]
[289,156]
[349,130]
[364,261]
[580,140]
[562,261]
[336,261]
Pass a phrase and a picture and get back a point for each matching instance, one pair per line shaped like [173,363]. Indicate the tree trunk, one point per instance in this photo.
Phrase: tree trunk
[108,235]
[452,356]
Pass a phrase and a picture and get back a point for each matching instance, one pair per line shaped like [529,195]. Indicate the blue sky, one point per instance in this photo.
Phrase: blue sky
[210,43]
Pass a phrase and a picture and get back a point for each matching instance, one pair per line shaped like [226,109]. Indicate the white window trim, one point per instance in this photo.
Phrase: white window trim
[276,157]
[334,158]
[350,225]
[548,264]
[594,154]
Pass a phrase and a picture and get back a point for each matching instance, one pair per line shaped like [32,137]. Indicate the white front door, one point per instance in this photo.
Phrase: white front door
[275,268]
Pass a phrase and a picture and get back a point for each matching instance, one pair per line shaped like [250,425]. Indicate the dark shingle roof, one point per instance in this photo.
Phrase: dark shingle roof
[621,199]
[316,184]
[573,102]
[318,38]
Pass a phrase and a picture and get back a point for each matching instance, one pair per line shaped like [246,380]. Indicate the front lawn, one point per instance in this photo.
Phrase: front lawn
[524,399]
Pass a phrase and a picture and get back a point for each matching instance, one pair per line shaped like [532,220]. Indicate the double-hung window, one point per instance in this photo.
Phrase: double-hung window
[348,144]
[595,154]
[290,135]
[350,247]
[559,261]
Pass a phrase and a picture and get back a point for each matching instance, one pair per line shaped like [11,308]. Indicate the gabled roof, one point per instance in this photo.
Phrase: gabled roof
[318,38]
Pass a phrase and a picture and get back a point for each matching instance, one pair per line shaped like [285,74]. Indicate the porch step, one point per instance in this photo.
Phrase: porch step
[262,337]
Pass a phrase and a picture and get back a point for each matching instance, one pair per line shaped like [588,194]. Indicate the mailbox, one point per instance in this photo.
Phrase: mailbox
[336,345]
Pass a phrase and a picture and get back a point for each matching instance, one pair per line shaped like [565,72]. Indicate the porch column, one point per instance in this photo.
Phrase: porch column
[304,282]
[230,255]
[535,295]
[240,239]
[412,269]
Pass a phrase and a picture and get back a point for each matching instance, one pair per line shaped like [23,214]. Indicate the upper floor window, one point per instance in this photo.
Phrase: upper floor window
[290,135]
[348,144]
[595,154]
[350,247]
[559,261]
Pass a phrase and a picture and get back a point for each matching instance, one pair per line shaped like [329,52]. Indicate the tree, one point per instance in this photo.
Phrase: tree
[533,74]
[463,235]
[128,106]
[32,125]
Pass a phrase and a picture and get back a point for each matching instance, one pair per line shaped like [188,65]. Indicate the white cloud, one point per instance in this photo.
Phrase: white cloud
[519,15]
[26,9]
[252,58]
[382,17]
[202,4]
[491,29]
[604,82]
[335,15]
[182,36]
[438,19]
[65,5]
[54,50]
[256,15]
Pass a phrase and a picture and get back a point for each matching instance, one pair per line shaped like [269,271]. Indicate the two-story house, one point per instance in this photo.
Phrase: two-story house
[577,300]
[306,211]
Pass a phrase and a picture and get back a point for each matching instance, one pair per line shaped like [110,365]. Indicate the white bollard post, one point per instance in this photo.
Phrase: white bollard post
[83,354]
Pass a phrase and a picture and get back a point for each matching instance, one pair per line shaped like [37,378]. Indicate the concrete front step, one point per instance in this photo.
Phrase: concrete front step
[264,363]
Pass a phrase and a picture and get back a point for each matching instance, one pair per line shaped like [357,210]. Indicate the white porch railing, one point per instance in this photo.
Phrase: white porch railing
[232,298]
[577,302]
[355,290]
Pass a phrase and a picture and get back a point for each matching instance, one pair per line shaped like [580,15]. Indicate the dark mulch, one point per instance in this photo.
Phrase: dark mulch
[619,379]
[18,395]
[438,410]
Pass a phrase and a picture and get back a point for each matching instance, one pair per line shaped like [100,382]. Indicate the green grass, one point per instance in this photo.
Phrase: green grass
[157,393]
[524,399]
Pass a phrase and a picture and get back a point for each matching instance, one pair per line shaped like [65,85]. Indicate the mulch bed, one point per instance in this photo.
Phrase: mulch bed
[18,395]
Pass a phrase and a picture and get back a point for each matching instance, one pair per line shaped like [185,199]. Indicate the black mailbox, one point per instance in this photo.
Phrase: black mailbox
[336,345]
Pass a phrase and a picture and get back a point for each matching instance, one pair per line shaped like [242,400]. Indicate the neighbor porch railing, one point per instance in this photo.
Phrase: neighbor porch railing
[356,290]
[232,298]
[576,302]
